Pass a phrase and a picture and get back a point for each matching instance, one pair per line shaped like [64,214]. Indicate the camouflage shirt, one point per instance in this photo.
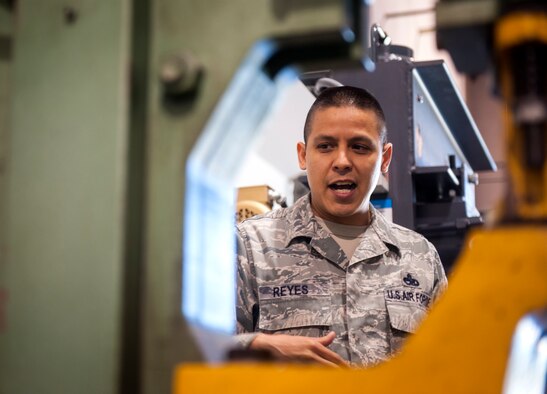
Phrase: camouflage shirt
[293,278]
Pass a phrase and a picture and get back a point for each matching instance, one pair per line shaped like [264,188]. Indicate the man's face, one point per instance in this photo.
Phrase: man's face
[344,156]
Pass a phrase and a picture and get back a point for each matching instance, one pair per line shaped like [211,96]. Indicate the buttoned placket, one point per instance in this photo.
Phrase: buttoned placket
[367,251]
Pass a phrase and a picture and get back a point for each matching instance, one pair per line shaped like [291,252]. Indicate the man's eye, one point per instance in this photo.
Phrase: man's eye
[361,148]
[324,146]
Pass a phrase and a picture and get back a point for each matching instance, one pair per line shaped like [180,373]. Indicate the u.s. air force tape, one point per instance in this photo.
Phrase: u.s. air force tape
[407,295]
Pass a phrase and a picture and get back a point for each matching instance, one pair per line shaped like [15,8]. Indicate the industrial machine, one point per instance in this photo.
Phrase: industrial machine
[254,200]
[464,344]
[438,148]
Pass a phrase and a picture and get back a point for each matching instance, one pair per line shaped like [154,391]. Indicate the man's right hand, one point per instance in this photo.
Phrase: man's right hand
[298,348]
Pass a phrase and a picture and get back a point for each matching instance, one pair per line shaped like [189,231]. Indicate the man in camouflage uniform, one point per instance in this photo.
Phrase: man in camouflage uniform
[329,279]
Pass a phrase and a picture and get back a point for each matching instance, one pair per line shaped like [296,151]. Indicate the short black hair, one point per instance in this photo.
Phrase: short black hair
[347,96]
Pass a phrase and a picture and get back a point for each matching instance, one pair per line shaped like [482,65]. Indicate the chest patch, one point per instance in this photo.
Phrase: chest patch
[408,296]
[289,290]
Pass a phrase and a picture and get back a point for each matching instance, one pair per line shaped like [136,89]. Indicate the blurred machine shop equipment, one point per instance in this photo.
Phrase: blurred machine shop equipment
[511,38]
[255,200]
[437,146]
[464,344]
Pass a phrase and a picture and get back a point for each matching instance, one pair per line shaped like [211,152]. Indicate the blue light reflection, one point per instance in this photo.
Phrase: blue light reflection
[209,213]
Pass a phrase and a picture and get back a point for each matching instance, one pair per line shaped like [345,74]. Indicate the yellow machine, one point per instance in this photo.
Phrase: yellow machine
[464,344]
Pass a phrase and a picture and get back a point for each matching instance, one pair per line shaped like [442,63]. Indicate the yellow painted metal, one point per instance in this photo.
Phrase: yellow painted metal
[527,197]
[462,347]
[518,27]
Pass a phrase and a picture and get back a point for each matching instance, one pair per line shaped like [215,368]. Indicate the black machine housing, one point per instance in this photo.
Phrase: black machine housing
[437,146]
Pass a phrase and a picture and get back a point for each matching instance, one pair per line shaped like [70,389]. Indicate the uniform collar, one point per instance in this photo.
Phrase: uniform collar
[303,223]
[304,226]
[379,239]
[383,229]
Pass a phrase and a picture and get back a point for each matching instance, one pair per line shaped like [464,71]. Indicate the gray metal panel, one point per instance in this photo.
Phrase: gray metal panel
[454,111]
[433,140]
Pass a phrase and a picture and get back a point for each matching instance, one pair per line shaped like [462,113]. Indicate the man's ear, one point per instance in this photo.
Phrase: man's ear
[387,153]
[301,150]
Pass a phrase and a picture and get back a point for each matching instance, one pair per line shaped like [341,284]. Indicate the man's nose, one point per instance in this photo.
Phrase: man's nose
[341,161]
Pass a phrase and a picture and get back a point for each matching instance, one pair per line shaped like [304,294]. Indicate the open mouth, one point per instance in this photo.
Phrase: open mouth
[347,186]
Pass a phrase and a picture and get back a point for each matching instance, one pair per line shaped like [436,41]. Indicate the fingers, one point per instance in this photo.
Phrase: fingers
[330,356]
[288,347]
[327,339]
[322,361]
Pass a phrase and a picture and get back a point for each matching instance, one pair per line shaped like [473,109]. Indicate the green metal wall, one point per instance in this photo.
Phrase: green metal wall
[6,26]
[65,196]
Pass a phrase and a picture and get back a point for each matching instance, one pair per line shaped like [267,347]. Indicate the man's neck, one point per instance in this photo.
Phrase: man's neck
[363,219]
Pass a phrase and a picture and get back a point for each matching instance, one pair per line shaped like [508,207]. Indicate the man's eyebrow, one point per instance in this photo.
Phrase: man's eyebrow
[323,137]
[353,140]
[361,138]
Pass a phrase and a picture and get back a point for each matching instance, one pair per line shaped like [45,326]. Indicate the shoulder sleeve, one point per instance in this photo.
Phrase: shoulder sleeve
[246,296]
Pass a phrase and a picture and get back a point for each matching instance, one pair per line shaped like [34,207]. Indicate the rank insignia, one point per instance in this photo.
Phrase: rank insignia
[410,281]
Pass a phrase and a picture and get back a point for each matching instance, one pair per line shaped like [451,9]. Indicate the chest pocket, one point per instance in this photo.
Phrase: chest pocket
[404,318]
[295,313]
